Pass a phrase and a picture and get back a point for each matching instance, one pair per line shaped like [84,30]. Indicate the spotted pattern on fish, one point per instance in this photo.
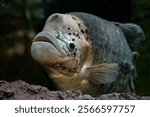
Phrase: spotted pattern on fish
[83,52]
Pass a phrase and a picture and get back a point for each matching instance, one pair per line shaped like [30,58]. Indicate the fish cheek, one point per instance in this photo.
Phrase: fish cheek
[84,49]
[65,69]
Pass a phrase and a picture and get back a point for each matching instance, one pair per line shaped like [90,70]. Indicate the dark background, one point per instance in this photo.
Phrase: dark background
[20,20]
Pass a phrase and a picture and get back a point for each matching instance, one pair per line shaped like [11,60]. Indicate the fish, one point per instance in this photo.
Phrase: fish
[80,51]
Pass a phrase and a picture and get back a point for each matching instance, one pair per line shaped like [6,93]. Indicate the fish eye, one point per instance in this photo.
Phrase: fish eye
[71,46]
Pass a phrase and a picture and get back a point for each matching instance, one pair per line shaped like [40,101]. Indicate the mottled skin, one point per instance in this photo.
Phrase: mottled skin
[109,42]
[109,45]
[93,41]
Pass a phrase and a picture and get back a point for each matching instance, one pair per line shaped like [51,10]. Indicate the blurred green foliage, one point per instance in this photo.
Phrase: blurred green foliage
[20,20]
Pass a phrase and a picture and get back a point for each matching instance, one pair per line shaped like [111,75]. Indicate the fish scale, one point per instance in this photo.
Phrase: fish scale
[97,58]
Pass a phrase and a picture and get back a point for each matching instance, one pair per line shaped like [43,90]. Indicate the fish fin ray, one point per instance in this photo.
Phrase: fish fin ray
[133,33]
[102,73]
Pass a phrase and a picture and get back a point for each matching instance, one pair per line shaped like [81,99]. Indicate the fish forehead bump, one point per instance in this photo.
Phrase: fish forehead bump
[63,18]
[56,17]
[53,22]
[58,21]
[75,22]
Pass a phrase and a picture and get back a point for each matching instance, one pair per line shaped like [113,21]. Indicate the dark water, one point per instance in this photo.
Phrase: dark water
[21,20]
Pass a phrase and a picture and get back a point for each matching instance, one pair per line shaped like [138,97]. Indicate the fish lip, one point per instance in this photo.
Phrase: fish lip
[48,37]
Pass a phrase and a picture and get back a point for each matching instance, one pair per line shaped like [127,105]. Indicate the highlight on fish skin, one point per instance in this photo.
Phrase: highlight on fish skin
[80,51]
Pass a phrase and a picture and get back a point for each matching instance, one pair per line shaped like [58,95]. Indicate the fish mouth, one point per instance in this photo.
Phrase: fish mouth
[50,38]
[51,46]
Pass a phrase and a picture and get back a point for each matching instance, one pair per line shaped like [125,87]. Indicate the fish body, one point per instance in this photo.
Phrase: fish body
[83,52]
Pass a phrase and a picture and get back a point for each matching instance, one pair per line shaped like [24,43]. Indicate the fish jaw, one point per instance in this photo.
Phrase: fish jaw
[47,49]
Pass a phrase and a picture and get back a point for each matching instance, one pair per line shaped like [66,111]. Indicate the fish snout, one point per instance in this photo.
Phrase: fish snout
[48,43]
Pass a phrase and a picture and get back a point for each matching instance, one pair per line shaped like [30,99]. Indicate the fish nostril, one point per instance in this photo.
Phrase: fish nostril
[71,46]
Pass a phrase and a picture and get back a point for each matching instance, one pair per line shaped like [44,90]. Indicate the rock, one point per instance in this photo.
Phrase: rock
[20,90]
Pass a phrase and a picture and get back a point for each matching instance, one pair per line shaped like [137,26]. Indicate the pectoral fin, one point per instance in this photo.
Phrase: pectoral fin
[102,73]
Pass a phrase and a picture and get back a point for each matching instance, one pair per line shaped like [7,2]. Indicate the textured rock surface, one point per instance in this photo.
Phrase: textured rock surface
[20,90]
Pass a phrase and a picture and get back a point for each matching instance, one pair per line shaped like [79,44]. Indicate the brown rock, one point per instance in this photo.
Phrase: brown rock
[20,90]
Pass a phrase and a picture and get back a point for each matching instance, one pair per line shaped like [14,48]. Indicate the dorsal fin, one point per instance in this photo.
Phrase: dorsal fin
[133,33]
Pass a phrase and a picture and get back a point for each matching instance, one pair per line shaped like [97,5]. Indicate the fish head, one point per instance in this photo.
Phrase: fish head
[62,47]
